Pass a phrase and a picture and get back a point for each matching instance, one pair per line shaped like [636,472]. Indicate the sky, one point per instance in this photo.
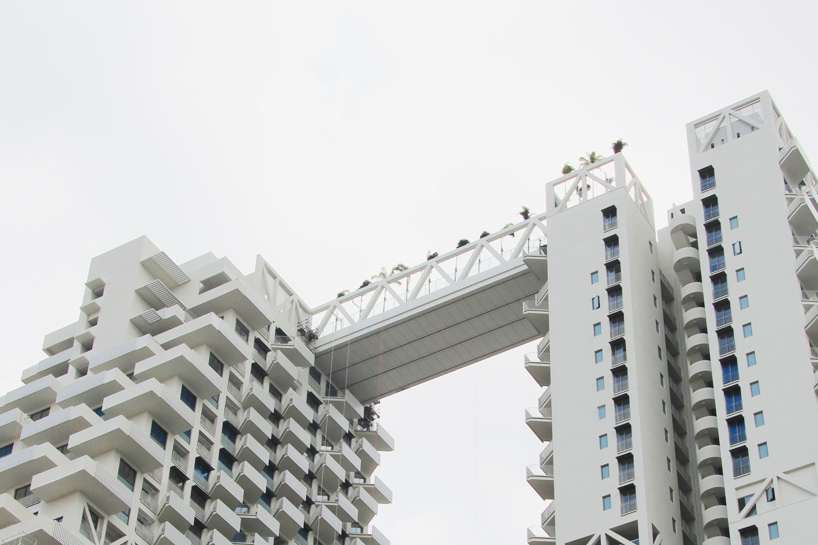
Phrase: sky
[337,138]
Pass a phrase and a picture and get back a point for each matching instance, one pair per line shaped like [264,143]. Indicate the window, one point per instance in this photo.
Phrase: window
[598,356]
[707,178]
[716,256]
[594,277]
[673,521]
[727,343]
[39,414]
[661,379]
[609,220]
[620,381]
[603,441]
[22,492]
[650,246]
[743,302]
[595,302]
[611,248]
[668,465]
[627,497]
[667,436]
[763,451]
[617,325]
[216,364]
[624,438]
[759,418]
[606,503]
[600,384]
[741,462]
[626,469]
[740,276]
[597,329]
[664,407]
[773,529]
[670,491]
[770,494]
[724,315]
[755,389]
[713,231]
[747,329]
[719,286]
[159,434]
[737,432]
[659,352]
[188,398]
[732,399]
[126,474]
[613,273]
[6,450]
[749,536]
[653,276]
[605,471]
[734,222]
[711,208]
[618,352]
[614,299]
[737,248]
[742,502]
[655,302]
[622,408]
[729,370]
[600,412]
[242,331]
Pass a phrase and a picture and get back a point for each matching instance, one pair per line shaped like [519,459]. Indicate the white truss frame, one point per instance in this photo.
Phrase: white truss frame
[288,306]
[505,247]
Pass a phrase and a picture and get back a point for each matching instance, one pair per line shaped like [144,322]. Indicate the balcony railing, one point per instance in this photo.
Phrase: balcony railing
[622,414]
[727,345]
[620,386]
[614,278]
[626,475]
[623,444]
[151,501]
[144,531]
[617,330]
[619,358]
[611,252]
[628,505]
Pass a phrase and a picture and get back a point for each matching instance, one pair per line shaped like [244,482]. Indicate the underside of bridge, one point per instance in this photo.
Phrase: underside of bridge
[460,324]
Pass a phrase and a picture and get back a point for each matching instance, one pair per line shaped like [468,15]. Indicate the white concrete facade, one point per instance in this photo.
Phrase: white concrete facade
[194,404]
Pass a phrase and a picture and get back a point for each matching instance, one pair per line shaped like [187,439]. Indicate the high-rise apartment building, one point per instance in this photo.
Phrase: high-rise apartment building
[192,404]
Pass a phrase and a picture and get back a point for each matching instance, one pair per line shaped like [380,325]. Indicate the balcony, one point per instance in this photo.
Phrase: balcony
[167,534]
[541,483]
[325,525]
[333,424]
[12,511]
[282,372]
[539,424]
[289,517]
[540,371]
[290,433]
[811,322]
[368,454]
[58,426]
[377,436]
[20,466]
[537,262]
[330,474]
[222,518]
[256,397]
[154,322]
[363,501]
[294,406]
[794,164]
[56,365]
[372,536]
[92,389]
[346,403]
[287,485]
[548,518]
[708,456]
[712,485]
[175,510]
[182,362]
[88,477]
[225,489]
[211,331]
[537,314]
[288,458]
[378,490]
[544,402]
[235,295]
[700,371]
[256,520]
[536,536]
[682,452]
[295,350]
[697,343]
[250,479]
[256,425]
[249,450]
[677,398]
[10,423]
[715,516]
[343,509]
[155,399]
[121,435]
[686,259]
[346,457]
[32,396]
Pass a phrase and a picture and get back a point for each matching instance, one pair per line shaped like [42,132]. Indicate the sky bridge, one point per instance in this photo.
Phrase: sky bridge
[455,309]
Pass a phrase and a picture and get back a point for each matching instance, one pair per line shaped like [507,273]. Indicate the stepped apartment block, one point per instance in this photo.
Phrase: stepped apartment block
[192,404]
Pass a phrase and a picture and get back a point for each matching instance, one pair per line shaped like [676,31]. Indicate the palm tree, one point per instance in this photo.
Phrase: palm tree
[525,213]
[589,159]
[618,145]
[567,169]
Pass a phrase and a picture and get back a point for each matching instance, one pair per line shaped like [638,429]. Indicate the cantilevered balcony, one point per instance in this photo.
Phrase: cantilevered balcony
[12,511]
[250,450]
[56,365]
[363,501]
[287,485]
[541,483]
[329,473]
[282,372]
[258,426]
[537,536]
[10,423]
[290,433]
[59,425]
[122,435]
[154,322]
[174,509]
[794,164]
[378,490]
[342,507]
[371,536]
[376,435]
[324,524]
[686,260]
[295,350]
[294,406]
[125,356]
[346,456]
[167,534]
[182,362]
[250,480]
[332,423]
[88,477]
[222,518]
[32,396]
[539,370]
[225,489]
[211,331]
[235,295]
[369,455]
[289,458]
[154,398]
[20,466]
[536,310]
[257,520]
[92,389]
[539,424]
[289,517]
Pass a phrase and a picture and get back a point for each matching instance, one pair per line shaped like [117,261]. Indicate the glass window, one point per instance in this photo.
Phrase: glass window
[595,302]
[614,299]
[627,497]
[724,315]
[755,389]
[600,384]
[188,398]
[600,412]
[707,178]
[653,276]
[740,276]
[773,528]
[719,286]
[743,302]
[605,471]
[734,222]
[609,220]
[597,329]
[622,407]
[626,468]
[732,399]
[759,418]
[6,450]
[713,231]
[751,359]
[620,380]
[611,248]
[763,451]
[603,441]
[39,414]
[711,208]
[661,379]
[624,438]
[716,256]
[741,462]
[770,494]
[598,356]
[613,273]
[737,248]
[594,277]
[727,343]
[617,325]
[618,352]
[749,536]
[126,474]
[659,352]
[216,364]
[606,503]
[242,331]
[729,370]
[748,330]
[159,434]
[738,434]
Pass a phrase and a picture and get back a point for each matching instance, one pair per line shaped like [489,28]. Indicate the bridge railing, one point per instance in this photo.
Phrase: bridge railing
[501,248]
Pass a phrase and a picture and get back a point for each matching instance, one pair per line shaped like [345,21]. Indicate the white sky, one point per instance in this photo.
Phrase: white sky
[336,138]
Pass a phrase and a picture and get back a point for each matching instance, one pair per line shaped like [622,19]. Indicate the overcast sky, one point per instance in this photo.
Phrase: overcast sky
[336,138]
